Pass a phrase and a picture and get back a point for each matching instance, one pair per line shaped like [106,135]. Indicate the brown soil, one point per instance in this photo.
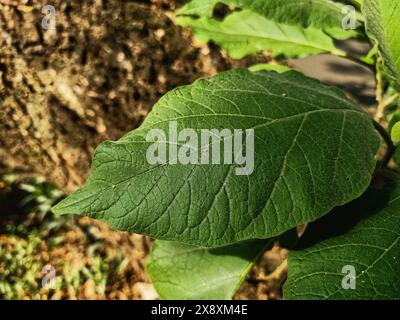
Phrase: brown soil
[91,261]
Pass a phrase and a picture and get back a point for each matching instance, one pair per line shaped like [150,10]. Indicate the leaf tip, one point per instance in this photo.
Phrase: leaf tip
[62,208]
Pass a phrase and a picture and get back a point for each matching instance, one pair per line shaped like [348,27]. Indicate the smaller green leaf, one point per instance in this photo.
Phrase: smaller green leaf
[319,14]
[382,24]
[316,13]
[394,117]
[180,271]
[352,253]
[245,32]
[342,34]
[396,133]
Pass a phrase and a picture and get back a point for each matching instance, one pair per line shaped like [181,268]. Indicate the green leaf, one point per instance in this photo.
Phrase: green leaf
[356,2]
[396,133]
[201,8]
[322,14]
[394,117]
[382,23]
[363,235]
[342,34]
[270,67]
[179,271]
[313,150]
[245,32]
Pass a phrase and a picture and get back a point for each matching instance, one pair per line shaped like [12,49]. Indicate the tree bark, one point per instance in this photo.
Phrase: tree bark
[93,78]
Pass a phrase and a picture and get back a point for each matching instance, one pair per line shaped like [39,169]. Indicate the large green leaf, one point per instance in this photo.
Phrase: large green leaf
[245,32]
[313,150]
[179,271]
[382,19]
[363,235]
[318,13]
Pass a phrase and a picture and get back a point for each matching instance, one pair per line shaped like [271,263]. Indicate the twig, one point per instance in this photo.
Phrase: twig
[379,92]
[390,146]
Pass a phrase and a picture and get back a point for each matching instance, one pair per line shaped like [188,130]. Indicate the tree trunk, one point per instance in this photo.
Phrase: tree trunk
[93,78]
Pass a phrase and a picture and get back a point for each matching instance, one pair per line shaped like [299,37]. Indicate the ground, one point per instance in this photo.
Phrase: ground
[90,260]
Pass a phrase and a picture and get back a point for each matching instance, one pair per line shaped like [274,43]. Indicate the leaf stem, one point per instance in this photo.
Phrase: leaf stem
[390,146]
[379,92]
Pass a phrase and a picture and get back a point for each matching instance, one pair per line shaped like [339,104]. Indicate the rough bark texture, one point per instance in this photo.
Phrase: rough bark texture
[93,78]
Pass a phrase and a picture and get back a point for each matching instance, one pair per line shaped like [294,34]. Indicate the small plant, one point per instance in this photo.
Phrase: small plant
[313,152]
[32,239]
